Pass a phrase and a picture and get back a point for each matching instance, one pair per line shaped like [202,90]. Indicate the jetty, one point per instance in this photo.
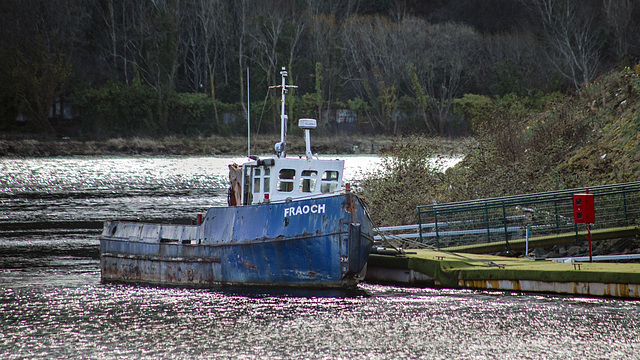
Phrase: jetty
[451,245]
[434,268]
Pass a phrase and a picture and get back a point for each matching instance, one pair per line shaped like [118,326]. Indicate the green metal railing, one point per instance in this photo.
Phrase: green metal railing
[506,218]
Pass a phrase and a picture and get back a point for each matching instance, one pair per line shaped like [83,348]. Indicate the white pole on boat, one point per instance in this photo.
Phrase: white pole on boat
[248,117]
[283,119]
[280,147]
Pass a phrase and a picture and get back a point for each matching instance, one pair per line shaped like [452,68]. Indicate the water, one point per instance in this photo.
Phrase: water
[52,304]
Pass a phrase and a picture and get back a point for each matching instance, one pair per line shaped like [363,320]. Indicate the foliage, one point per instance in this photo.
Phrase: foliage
[524,145]
[609,151]
[389,105]
[311,104]
[472,107]
[422,99]
[508,79]
[551,142]
[191,114]
[359,105]
[35,77]
[407,178]
[116,110]
[409,120]
[396,63]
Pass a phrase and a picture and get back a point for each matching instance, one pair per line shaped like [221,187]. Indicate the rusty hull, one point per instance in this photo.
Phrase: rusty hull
[321,242]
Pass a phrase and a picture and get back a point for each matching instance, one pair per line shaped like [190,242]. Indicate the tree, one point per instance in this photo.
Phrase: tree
[154,44]
[315,99]
[322,47]
[38,77]
[364,48]
[375,53]
[439,76]
[240,11]
[511,63]
[276,37]
[571,37]
[37,45]
[211,18]
[619,14]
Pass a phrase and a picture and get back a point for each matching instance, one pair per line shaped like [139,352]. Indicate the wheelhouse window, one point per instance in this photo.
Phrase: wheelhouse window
[256,181]
[329,181]
[267,176]
[308,181]
[248,184]
[286,178]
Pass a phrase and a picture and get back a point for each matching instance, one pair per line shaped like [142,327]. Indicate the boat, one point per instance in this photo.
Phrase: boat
[290,222]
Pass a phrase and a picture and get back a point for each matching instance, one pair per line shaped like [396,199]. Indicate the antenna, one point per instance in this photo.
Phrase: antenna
[248,117]
[280,147]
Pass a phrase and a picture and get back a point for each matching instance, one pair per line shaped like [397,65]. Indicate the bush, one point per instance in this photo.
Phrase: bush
[408,177]
[116,110]
[552,142]
[192,114]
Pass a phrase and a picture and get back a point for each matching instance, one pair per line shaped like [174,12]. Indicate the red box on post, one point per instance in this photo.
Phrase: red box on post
[583,209]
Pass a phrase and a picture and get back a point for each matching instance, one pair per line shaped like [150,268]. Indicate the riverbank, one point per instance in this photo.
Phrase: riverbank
[214,145]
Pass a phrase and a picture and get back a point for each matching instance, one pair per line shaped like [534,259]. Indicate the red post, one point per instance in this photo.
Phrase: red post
[199,222]
[589,234]
[584,212]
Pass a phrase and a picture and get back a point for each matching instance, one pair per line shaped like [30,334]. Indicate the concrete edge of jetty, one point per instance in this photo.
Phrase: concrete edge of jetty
[433,268]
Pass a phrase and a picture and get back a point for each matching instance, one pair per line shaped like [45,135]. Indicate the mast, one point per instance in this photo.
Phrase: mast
[248,116]
[280,147]
[283,116]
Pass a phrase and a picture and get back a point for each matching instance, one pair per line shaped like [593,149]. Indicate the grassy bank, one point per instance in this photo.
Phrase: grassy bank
[524,145]
[215,145]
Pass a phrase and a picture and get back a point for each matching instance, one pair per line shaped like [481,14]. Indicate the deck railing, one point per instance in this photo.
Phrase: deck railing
[506,218]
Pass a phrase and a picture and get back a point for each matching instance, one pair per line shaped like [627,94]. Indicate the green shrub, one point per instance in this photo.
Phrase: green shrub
[472,108]
[192,114]
[407,178]
[116,110]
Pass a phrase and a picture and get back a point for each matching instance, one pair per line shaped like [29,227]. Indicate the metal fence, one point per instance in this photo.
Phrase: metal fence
[507,218]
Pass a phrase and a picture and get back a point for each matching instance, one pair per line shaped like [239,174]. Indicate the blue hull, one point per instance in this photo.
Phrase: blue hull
[320,242]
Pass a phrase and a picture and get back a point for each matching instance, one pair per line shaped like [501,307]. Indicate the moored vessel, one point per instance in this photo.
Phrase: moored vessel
[290,222]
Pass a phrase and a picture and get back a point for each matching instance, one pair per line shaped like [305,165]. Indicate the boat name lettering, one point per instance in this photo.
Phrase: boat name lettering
[314,209]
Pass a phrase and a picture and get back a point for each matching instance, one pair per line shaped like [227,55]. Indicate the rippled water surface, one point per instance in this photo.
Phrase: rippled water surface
[52,304]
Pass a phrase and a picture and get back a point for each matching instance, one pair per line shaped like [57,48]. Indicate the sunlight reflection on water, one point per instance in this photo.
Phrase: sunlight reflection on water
[52,304]
[114,321]
[146,188]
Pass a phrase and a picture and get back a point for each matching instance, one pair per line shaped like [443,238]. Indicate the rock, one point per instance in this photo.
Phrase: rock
[574,250]
[598,251]
[512,253]
[538,252]
[562,251]
[622,245]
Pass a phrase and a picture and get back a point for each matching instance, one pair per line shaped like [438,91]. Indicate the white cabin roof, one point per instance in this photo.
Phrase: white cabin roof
[281,179]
